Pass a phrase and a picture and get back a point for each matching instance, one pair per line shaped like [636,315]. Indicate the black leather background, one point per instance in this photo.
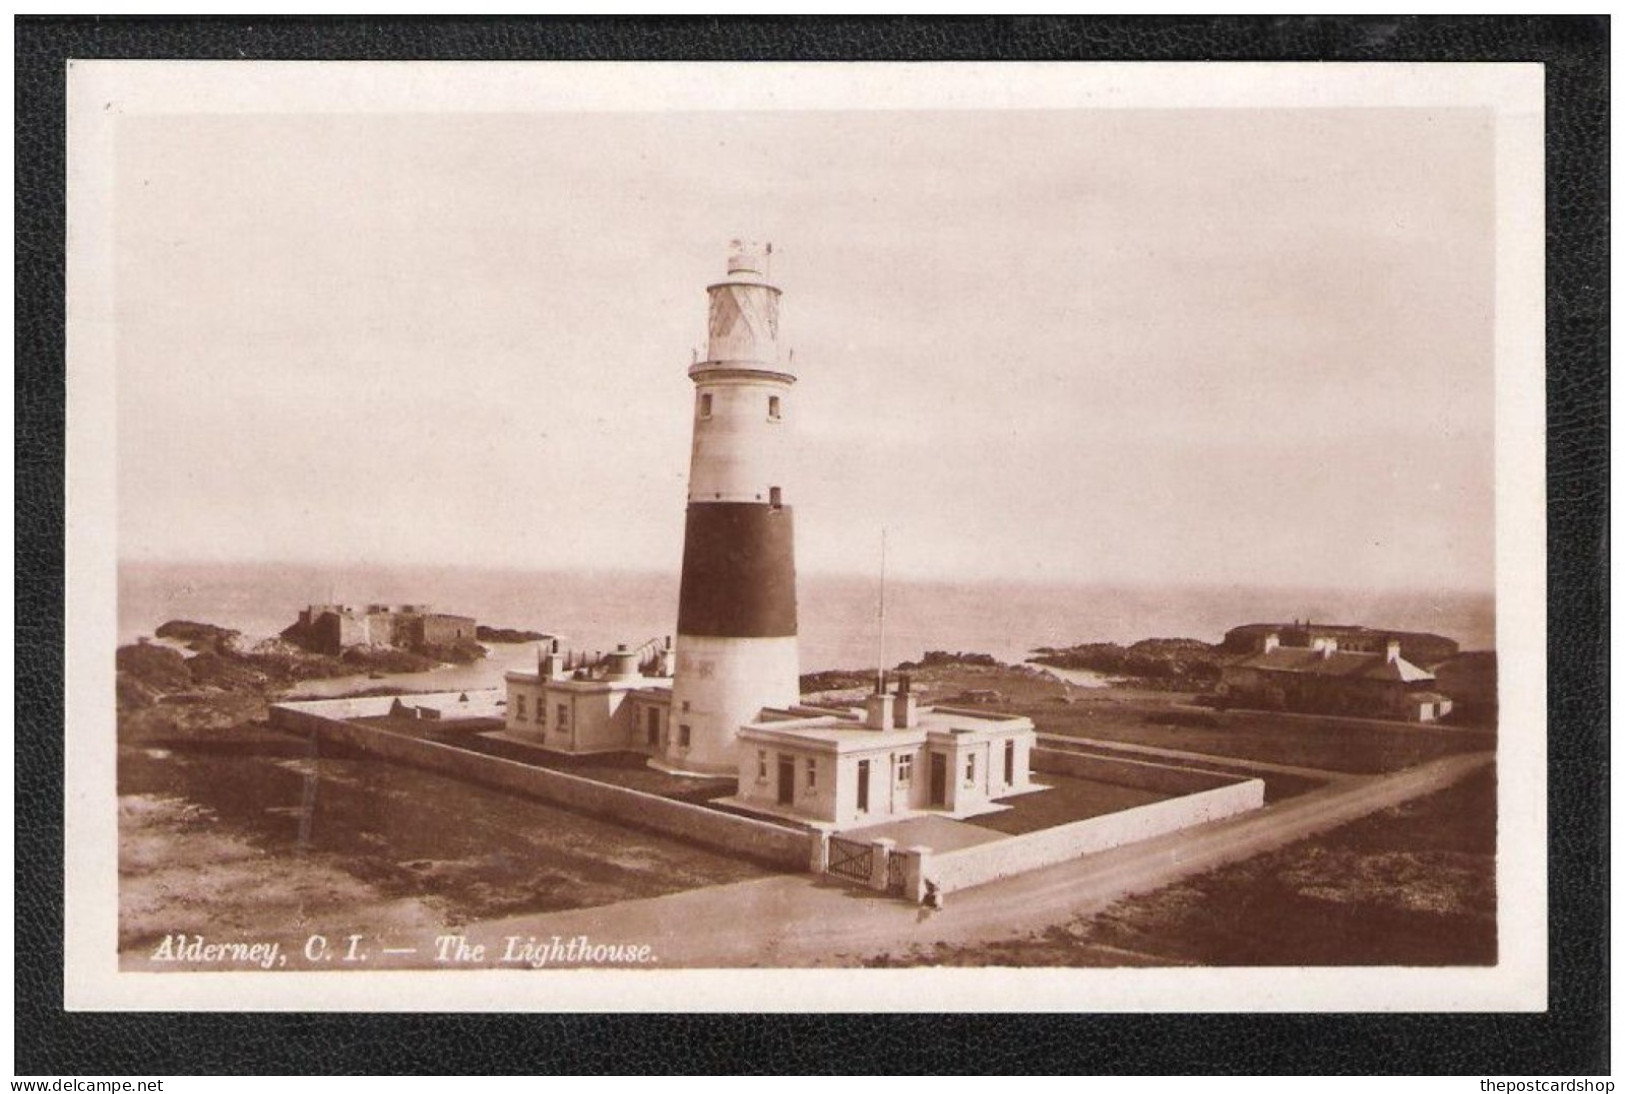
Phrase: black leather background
[1571,1038]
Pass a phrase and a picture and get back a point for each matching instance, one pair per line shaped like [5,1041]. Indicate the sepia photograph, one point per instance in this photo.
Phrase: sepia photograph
[791,537]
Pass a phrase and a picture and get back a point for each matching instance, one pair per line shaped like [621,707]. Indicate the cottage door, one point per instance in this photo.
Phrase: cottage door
[787,780]
[939,779]
[863,786]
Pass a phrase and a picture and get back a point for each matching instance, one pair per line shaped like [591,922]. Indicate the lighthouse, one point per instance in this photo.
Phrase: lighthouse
[736,614]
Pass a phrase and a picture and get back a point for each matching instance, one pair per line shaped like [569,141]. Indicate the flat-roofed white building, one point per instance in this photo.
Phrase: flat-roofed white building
[848,768]
[615,703]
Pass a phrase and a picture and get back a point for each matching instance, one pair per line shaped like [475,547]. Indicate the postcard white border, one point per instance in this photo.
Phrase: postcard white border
[101,92]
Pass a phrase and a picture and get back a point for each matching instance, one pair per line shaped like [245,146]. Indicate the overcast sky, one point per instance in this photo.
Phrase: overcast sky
[1235,346]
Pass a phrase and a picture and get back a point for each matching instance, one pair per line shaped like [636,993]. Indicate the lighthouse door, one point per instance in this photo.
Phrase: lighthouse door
[787,780]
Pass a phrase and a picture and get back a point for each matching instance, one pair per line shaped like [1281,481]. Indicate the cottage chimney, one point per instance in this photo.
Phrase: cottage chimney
[1272,642]
[878,706]
[1393,651]
[623,663]
[1325,646]
[906,713]
[550,662]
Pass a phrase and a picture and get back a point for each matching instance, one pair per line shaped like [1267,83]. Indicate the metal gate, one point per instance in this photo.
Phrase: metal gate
[851,859]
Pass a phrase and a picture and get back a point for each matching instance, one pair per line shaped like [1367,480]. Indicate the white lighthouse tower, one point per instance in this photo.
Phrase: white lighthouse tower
[736,616]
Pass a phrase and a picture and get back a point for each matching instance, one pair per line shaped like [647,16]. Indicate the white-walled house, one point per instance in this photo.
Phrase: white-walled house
[608,705]
[845,769]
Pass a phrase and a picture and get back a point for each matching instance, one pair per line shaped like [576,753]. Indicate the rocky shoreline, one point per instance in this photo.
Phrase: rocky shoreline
[198,680]
[1155,664]
[507,634]
[1163,664]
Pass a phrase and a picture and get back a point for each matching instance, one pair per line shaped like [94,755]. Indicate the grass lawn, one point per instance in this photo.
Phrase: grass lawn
[269,844]
[628,769]
[1167,720]
[1277,786]
[1301,741]
[1068,799]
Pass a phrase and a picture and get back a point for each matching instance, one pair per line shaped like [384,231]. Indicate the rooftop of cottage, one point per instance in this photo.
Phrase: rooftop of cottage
[1340,663]
[848,729]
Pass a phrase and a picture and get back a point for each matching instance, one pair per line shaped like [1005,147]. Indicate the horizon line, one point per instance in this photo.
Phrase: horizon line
[851,575]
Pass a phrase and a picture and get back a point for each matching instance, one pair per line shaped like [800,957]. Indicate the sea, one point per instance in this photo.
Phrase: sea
[841,624]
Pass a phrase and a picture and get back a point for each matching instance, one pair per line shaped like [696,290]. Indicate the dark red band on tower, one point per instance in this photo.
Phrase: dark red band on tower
[739,571]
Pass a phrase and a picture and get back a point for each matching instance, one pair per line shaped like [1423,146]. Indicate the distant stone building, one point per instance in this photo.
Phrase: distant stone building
[333,628]
[1417,647]
[1323,678]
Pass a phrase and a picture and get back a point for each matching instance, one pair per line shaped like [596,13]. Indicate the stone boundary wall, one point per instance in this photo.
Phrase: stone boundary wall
[1288,720]
[1003,858]
[1140,774]
[784,848]
[301,711]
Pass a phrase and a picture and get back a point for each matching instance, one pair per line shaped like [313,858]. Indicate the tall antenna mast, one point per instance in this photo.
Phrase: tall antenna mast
[880,665]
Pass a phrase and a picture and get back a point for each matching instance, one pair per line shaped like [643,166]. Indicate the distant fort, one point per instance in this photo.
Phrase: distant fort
[1416,646]
[333,628]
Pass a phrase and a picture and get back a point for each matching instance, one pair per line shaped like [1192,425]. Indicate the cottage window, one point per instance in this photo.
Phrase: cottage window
[682,736]
[564,716]
[761,764]
[772,408]
[812,774]
[970,769]
[705,404]
[775,497]
[905,770]
[1009,763]
[520,708]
